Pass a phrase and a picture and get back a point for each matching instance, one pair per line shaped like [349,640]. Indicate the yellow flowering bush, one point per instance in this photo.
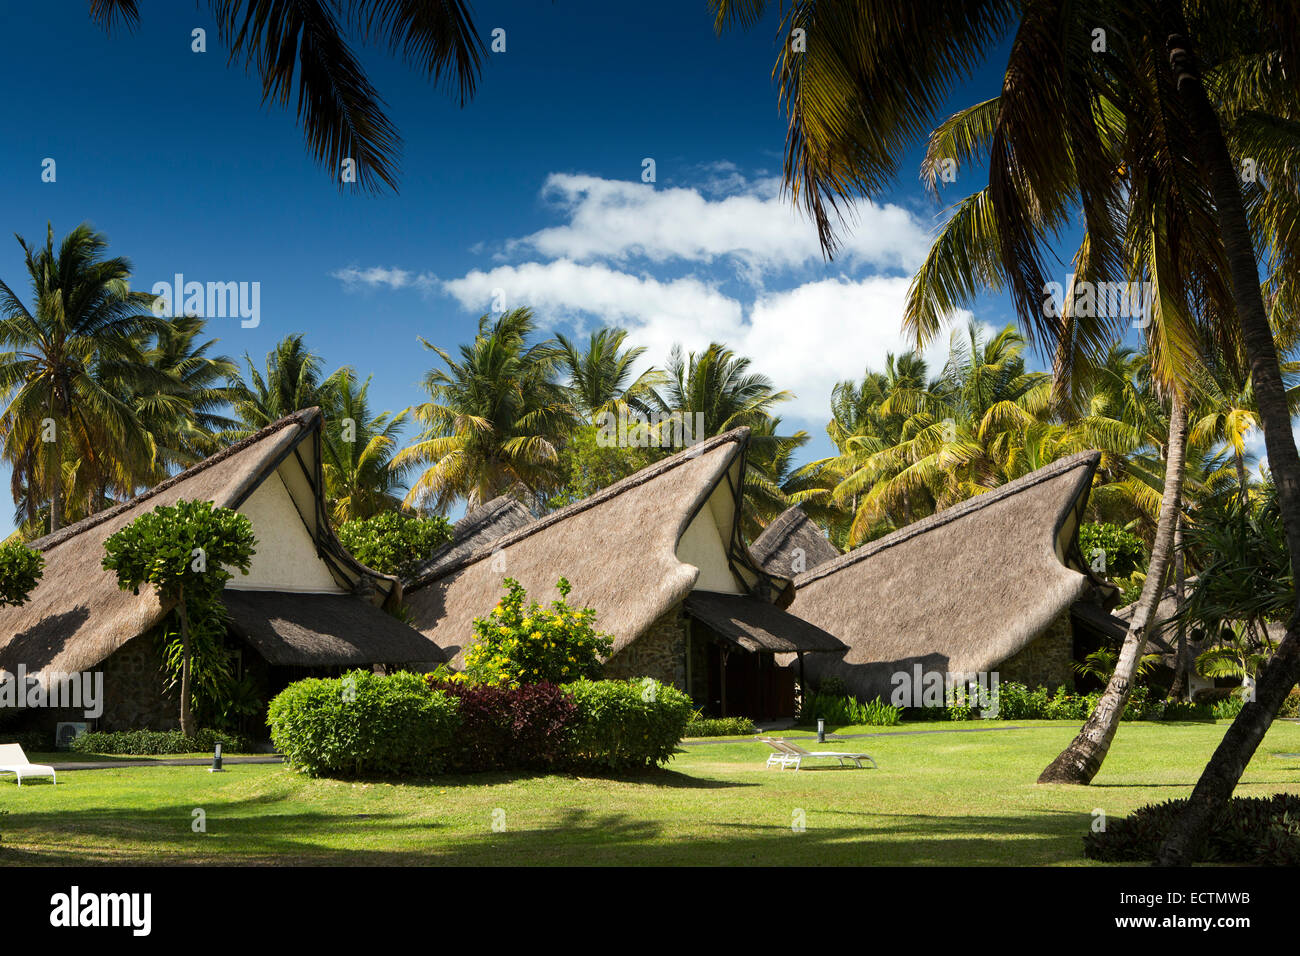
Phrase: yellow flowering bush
[521,642]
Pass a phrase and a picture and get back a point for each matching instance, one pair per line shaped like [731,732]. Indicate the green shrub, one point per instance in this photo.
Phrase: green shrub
[1018,702]
[157,743]
[719,727]
[626,724]
[1124,551]
[1264,831]
[833,687]
[363,724]
[392,542]
[517,644]
[32,741]
[846,710]
[20,571]
[1228,708]
[1290,705]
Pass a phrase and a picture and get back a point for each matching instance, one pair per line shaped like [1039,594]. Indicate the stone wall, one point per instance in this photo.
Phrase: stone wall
[1045,661]
[659,653]
[134,695]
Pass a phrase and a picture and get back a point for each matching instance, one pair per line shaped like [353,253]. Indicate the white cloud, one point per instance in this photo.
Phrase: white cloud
[617,220]
[805,339]
[393,278]
[565,290]
[604,265]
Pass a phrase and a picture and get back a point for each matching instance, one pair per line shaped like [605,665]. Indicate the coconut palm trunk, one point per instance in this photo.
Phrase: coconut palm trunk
[1080,761]
[1178,690]
[187,716]
[1219,779]
[54,471]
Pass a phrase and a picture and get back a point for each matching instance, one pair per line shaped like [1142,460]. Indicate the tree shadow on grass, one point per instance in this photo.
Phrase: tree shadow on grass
[668,779]
[251,832]
[234,832]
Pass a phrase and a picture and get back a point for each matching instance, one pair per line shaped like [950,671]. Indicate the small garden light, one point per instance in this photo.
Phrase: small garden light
[216,759]
[821,731]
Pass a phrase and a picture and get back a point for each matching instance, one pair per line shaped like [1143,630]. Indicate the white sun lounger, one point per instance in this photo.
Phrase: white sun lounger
[791,755]
[13,760]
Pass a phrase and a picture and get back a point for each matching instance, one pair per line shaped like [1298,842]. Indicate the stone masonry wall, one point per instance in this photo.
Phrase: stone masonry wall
[1046,660]
[659,653]
[134,695]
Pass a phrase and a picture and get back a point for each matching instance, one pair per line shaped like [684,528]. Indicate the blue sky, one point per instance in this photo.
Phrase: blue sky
[533,188]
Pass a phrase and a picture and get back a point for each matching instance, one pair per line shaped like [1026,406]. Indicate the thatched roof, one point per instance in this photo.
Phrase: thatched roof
[791,545]
[1099,620]
[77,616]
[477,530]
[617,548]
[323,630]
[757,625]
[959,591]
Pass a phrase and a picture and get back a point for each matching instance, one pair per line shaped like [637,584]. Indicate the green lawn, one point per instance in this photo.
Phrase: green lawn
[938,798]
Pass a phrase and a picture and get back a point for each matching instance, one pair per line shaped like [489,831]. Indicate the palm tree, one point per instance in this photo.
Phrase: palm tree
[769,475]
[927,447]
[304,44]
[496,418]
[600,378]
[81,332]
[859,428]
[291,382]
[718,385]
[356,454]
[185,416]
[875,78]
[1226,414]
[714,391]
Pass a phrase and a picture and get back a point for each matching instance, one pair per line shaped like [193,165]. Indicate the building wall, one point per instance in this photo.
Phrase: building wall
[134,694]
[1045,661]
[286,558]
[659,653]
[702,544]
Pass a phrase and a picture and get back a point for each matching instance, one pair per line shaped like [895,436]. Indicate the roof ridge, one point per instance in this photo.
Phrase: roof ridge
[303,417]
[779,531]
[649,472]
[949,515]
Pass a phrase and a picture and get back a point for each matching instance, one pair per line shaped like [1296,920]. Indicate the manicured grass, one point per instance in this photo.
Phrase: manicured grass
[57,757]
[938,798]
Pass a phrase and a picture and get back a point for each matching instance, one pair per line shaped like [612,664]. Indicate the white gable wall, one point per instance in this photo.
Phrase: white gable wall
[704,544]
[286,558]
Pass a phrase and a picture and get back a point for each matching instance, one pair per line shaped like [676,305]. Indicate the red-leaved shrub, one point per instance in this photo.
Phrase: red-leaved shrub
[509,728]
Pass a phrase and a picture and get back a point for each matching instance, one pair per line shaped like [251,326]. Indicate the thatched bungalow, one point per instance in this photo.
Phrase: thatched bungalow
[306,606]
[659,556]
[479,529]
[996,583]
[791,545]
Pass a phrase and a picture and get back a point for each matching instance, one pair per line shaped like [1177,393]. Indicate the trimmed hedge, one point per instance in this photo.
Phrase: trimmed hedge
[364,724]
[1264,831]
[626,725]
[157,743]
[411,724]
[509,728]
[719,727]
[1018,702]
[32,741]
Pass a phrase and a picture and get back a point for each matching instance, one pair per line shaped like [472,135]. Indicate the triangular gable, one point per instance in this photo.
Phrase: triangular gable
[618,548]
[960,591]
[77,616]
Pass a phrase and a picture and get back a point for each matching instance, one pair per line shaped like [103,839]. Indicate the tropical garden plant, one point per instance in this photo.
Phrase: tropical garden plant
[185,551]
[525,643]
